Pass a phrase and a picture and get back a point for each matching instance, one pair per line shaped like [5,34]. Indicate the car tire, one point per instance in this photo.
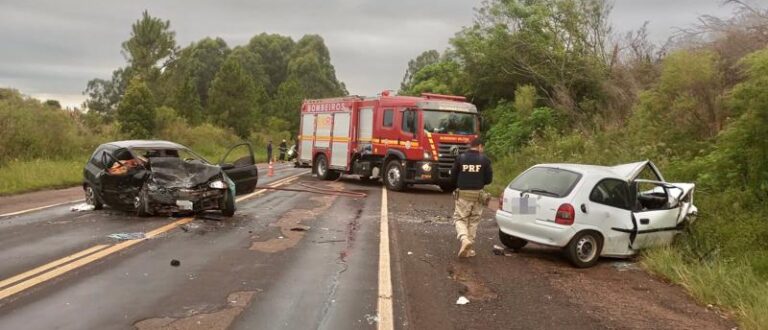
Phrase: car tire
[584,249]
[394,175]
[512,242]
[91,198]
[141,203]
[447,187]
[228,204]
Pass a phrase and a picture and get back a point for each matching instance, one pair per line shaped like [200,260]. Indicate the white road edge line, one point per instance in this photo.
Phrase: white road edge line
[384,308]
[40,208]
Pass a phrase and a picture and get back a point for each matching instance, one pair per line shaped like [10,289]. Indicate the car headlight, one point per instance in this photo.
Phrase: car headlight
[218,184]
[426,167]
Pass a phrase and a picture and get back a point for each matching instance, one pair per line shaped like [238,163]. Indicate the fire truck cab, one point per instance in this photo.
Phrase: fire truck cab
[403,140]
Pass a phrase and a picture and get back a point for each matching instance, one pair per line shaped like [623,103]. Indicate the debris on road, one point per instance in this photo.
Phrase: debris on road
[81,207]
[127,236]
[175,263]
[624,266]
[301,228]
[462,301]
[500,251]
[371,319]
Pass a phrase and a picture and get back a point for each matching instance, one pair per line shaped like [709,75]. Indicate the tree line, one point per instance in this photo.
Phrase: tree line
[253,88]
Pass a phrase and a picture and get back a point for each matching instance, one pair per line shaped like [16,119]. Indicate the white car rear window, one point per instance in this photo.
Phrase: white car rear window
[546,181]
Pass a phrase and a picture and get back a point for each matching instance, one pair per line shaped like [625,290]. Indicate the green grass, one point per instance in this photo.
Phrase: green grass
[731,285]
[22,176]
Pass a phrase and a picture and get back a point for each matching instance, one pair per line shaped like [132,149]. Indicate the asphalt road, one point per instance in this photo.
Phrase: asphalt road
[298,260]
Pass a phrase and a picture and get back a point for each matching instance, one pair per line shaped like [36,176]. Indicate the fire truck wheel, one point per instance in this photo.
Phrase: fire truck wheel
[322,170]
[394,176]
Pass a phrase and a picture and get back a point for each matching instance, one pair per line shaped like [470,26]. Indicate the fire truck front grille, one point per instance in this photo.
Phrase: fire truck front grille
[447,153]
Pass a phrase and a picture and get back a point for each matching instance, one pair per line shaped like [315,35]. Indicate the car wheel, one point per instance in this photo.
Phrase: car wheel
[584,249]
[141,203]
[228,204]
[91,199]
[394,175]
[447,187]
[512,242]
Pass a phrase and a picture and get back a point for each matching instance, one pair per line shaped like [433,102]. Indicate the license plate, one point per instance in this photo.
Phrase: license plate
[184,205]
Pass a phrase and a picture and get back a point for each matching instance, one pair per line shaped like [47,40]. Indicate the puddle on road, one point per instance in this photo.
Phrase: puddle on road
[222,319]
[473,287]
[293,219]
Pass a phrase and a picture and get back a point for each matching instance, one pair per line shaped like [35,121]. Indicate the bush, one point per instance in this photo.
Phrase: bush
[30,129]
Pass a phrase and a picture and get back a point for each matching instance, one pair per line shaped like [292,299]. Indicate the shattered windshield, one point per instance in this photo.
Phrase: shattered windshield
[184,154]
[448,122]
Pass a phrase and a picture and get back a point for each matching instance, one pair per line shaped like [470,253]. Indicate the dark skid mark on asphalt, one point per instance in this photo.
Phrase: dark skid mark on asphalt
[353,226]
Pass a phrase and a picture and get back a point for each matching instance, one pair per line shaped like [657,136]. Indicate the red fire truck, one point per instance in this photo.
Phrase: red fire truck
[404,140]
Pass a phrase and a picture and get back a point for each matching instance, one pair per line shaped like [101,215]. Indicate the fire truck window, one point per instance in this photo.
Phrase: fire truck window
[389,118]
[407,121]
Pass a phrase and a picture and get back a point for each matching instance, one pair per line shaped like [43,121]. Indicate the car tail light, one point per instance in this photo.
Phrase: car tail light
[501,200]
[565,214]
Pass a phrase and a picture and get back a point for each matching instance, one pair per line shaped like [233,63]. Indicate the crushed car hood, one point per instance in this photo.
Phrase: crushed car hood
[171,172]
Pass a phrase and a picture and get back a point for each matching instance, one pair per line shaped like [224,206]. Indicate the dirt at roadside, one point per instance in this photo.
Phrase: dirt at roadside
[534,289]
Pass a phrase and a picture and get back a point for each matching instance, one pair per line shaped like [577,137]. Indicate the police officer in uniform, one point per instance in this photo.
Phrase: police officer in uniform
[471,171]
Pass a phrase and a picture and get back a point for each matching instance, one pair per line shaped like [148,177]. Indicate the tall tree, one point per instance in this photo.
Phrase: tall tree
[275,51]
[252,64]
[442,77]
[424,59]
[104,95]
[311,66]
[235,101]
[558,46]
[287,103]
[136,113]
[187,101]
[199,61]
[151,42]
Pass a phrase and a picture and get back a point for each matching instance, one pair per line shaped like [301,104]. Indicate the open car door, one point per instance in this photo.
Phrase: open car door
[240,166]
[119,188]
[660,211]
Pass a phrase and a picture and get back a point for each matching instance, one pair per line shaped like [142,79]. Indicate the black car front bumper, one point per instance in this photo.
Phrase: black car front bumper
[175,200]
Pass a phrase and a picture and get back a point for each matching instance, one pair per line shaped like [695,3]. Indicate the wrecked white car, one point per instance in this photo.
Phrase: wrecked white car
[162,177]
[592,211]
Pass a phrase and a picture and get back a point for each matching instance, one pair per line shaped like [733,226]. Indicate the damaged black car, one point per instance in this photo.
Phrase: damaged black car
[152,177]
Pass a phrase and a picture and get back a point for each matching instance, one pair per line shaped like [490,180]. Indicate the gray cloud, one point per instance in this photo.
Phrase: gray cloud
[52,48]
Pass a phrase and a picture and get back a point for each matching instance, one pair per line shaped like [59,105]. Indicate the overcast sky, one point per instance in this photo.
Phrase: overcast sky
[50,49]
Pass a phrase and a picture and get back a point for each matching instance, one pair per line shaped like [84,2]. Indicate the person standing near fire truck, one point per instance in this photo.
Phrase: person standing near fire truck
[471,172]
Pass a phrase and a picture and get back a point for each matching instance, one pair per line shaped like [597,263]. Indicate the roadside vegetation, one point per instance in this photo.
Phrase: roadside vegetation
[556,83]
[207,95]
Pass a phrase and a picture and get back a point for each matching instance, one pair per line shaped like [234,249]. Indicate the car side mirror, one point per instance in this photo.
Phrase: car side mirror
[227,166]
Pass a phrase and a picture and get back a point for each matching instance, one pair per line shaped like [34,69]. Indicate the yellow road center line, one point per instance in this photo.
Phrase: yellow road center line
[90,258]
[384,308]
[50,265]
[40,208]
[103,251]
